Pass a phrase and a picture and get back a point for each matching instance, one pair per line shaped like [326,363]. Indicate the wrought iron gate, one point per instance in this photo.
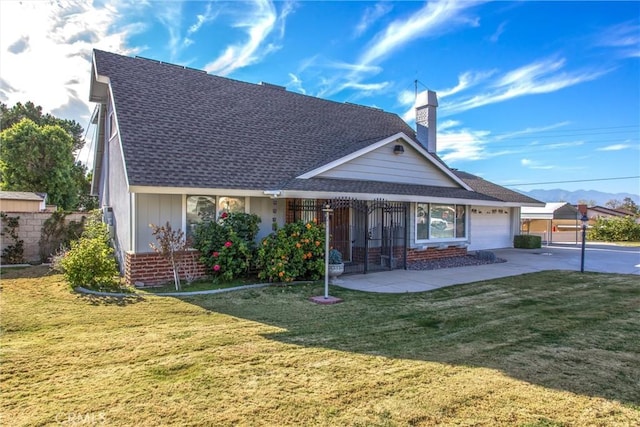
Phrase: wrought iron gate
[372,235]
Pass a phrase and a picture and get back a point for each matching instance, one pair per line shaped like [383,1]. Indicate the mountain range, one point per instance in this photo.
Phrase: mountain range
[590,196]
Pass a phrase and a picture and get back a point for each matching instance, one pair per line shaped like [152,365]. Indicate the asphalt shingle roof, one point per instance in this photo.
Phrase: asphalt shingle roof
[489,188]
[182,127]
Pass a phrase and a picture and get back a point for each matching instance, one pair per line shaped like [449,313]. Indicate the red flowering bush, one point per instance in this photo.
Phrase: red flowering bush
[295,251]
[228,244]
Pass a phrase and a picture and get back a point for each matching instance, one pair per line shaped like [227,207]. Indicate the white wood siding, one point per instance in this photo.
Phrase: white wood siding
[155,209]
[263,207]
[382,165]
[491,228]
[115,195]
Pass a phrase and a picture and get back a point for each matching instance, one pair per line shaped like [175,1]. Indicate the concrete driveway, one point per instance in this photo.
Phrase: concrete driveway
[598,258]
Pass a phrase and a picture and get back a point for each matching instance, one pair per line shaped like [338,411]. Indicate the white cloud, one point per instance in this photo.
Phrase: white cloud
[463,144]
[614,147]
[207,16]
[170,16]
[406,97]
[46,51]
[258,24]
[624,36]
[496,35]
[295,83]
[466,80]
[535,78]
[530,130]
[371,15]
[433,18]
[532,164]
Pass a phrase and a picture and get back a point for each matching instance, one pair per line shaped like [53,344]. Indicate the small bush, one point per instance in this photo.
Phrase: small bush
[527,241]
[615,230]
[486,256]
[228,244]
[90,261]
[335,256]
[295,251]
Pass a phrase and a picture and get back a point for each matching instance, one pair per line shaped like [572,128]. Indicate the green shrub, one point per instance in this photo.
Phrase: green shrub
[615,230]
[90,262]
[527,241]
[295,251]
[228,244]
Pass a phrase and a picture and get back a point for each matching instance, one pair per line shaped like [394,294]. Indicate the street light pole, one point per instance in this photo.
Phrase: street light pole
[584,220]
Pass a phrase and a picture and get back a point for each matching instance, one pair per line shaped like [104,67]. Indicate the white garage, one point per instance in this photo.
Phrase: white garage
[491,228]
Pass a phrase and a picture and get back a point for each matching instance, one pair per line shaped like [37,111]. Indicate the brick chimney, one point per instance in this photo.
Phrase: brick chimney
[426,105]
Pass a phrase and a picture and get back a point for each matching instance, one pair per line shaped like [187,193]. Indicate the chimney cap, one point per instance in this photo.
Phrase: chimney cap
[426,99]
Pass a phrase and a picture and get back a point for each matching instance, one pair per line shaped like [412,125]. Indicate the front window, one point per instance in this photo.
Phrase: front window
[439,221]
[230,204]
[199,207]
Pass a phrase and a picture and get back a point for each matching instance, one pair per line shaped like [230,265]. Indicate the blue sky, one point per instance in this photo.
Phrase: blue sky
[530,92]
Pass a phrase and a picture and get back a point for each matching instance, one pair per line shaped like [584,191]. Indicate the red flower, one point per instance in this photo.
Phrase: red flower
[223,215]
[216,267]
[228,244]
[216,254]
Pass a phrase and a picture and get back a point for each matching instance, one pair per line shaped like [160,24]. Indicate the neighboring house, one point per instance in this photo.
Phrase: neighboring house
[173,142]
[595,212]
[554,222]
[22,201]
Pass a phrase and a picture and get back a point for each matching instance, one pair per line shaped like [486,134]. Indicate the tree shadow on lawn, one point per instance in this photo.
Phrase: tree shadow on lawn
[568,331]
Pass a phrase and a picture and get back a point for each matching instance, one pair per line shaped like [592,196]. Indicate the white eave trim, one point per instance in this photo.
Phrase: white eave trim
[400,135]
[196,191]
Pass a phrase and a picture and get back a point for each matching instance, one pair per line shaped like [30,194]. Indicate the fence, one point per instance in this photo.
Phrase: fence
[30,231]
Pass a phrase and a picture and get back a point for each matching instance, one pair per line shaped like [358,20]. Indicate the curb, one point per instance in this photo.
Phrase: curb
[86,291]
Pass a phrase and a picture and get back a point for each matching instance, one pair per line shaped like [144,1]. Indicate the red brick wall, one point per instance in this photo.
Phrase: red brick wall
[148,269]
[434,253]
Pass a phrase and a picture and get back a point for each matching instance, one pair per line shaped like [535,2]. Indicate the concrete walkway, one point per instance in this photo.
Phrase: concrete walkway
[598,258]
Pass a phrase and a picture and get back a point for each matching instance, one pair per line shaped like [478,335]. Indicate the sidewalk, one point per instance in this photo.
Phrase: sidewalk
[598,258]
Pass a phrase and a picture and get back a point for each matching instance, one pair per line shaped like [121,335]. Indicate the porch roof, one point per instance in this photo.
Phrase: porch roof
[386,189]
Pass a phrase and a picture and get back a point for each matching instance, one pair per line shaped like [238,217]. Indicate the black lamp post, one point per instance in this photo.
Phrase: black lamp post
[584,220]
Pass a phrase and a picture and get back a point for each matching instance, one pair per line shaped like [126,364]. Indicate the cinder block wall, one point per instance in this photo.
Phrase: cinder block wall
[30,231]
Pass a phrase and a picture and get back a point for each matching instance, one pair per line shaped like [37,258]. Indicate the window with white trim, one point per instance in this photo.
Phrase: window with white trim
[440,222]
[200,208]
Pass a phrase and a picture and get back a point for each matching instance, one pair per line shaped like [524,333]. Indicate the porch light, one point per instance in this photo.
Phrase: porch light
[398,149]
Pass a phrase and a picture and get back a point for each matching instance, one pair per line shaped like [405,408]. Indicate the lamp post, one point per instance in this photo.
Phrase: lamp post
[327,212]
[584,220]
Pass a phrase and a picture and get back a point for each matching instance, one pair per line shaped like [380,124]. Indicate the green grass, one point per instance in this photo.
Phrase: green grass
[544,349]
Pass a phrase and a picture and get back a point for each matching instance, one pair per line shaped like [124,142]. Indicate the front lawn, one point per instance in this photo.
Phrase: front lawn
[544,349]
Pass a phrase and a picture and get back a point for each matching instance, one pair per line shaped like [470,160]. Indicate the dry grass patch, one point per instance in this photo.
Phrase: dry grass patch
[546,349]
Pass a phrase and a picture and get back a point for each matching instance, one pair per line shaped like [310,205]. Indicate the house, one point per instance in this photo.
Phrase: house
[22,201]
[595,212]
[173,141]
[553,222]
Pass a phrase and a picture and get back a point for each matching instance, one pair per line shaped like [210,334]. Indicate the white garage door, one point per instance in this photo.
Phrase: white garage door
[490,228]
